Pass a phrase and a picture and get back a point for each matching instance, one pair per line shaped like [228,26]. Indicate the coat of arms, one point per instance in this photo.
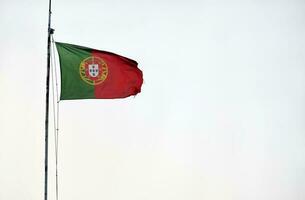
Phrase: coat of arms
[93,70]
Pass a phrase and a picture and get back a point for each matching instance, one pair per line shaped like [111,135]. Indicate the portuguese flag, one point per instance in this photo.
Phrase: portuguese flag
[93,74]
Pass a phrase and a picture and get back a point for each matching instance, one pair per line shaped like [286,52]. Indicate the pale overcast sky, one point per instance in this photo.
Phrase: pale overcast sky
[220,117]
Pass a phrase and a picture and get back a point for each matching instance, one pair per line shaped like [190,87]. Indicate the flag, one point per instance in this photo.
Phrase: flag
[94,74]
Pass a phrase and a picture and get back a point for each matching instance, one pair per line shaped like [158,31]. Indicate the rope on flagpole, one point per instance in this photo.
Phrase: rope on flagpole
[55,110]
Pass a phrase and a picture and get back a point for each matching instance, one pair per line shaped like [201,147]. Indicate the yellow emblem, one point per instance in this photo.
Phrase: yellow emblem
[93,70]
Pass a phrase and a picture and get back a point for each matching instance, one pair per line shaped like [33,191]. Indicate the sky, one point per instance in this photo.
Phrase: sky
[220,116]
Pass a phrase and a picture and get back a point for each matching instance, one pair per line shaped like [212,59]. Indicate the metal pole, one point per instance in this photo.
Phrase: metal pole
[50,31]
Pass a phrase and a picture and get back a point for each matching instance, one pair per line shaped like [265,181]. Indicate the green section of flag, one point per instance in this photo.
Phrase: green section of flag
[72,86]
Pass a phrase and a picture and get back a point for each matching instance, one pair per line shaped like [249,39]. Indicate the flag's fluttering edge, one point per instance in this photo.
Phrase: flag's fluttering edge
[93,74]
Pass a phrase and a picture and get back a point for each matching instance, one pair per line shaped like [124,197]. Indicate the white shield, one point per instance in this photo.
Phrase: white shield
[93,70]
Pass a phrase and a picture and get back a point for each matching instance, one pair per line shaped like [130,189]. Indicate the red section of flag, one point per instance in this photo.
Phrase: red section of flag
[124,77]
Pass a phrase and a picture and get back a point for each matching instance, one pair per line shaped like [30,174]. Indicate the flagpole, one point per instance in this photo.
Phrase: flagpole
[50,32]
